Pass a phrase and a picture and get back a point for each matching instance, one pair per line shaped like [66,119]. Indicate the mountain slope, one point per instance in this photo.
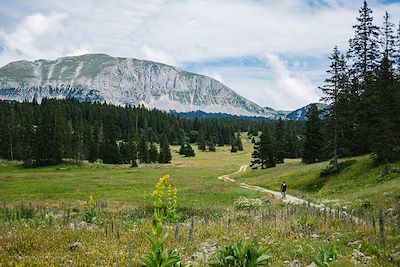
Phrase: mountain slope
[300,114]
[123,81]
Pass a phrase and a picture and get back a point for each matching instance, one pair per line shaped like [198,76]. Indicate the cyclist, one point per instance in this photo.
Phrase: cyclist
[283,189]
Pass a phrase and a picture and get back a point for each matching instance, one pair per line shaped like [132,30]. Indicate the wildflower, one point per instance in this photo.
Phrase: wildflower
[91,201]
[46,208]
[158,193]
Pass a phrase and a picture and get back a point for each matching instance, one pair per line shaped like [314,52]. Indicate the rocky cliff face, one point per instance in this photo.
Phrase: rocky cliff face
[123,81]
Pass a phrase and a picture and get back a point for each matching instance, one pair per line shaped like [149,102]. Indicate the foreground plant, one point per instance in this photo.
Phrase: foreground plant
[243,203]
[325,257]
[159,255]
[89,211]
[241,255]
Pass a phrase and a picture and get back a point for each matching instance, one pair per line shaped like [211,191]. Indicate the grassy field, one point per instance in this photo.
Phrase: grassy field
[195,177]
[33,235]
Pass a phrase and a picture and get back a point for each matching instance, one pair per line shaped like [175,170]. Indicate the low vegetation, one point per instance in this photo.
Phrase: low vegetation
[48,217]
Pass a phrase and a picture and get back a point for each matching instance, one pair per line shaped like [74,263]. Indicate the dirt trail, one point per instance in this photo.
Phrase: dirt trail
[243,168]
[288,199]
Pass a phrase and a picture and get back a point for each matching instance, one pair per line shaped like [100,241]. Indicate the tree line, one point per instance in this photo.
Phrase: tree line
[362,90]
[45,133]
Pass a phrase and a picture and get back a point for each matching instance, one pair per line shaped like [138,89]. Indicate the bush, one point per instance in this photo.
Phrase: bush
[243,203]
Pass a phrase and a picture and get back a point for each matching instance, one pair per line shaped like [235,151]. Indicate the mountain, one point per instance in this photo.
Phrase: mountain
[123,81]
[300,114]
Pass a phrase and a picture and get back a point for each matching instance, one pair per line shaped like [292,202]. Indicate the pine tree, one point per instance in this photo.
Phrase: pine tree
[28,137]
[313,143]
[364,47]
[336,82]
[238,142]
[210,146]
[134,154]
[182,149]
[125,149]
[77,142]
[201,142]
[292,141]
[280,144]
[264,153]
[384,113]
[388,38]
[153,153]
[110,149]
[189,152]
[49,141]
[165,152]
[143,151]
[397,49]
[233,148]
[268,149]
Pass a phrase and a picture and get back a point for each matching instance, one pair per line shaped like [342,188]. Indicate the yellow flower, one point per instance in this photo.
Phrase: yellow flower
[91,201]
[46,208]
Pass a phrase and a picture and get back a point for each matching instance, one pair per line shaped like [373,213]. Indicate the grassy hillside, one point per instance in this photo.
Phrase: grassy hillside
[360,181]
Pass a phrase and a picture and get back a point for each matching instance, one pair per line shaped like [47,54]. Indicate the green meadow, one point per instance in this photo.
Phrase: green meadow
[42,208]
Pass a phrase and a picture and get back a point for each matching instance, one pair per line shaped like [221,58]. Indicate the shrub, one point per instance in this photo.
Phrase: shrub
[243,203]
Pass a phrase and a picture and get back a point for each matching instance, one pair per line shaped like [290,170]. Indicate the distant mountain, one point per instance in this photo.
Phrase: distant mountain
[204,115]
[300,114]
[123,81]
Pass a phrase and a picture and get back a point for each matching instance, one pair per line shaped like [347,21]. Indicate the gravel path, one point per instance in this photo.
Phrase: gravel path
[243,168]
[288,199]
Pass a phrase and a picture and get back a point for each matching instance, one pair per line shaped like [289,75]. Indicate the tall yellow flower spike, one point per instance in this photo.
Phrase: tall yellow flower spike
[91,201]
[158,193]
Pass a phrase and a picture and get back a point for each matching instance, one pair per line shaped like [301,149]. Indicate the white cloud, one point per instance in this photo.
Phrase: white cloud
[158,56]
[181,31]
[288,90]
[39,36]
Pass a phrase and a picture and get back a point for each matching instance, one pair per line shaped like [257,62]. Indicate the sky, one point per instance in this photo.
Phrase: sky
[273,52]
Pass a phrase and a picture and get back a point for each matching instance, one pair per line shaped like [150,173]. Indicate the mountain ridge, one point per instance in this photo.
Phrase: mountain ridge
[124,81]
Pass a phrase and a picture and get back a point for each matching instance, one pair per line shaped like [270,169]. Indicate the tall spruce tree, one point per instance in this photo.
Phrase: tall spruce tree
[153,153]
[388,38]
[364,47]
[189,152]
[238,142]
[364,57]
[384,113]
[201,143]
[280,142]
[28,137]
[336,82]
[134,154]
[143,150]
[165,152]
[264,154]
[292,141]
[50,133]
[397,49]
[110,149]
[313,144]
